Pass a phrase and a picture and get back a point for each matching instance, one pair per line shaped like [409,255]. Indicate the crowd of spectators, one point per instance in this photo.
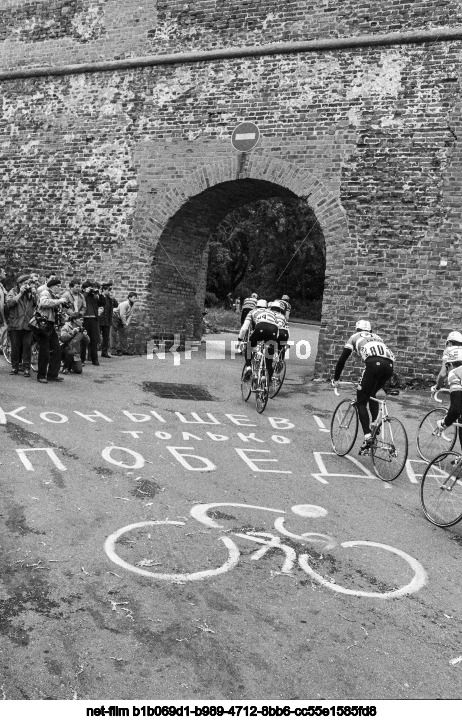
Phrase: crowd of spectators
[69,326]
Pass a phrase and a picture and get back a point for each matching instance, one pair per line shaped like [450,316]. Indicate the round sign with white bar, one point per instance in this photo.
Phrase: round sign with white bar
[245,137]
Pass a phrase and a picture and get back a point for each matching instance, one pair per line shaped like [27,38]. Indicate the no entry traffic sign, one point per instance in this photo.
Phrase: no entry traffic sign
[245,137]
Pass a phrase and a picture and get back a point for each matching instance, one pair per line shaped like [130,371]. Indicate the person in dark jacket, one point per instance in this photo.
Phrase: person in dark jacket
[90,320]
[105,317]
[21,302]
[49,356]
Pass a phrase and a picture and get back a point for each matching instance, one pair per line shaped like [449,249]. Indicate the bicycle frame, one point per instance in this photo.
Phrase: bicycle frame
[258,363]
[456,424]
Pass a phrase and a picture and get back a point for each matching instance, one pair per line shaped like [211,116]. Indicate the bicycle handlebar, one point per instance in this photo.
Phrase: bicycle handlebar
[347,383]
[440,390]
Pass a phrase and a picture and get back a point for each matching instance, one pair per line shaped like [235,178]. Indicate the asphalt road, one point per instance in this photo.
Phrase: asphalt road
[156,549]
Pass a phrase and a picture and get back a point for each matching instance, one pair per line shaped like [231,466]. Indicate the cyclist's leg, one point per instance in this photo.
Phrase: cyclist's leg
[283,337]
[270,349]
[383,372]
[363,394]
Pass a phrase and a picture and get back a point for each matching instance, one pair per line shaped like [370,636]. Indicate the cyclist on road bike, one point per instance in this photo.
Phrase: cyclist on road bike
[262,326]
[279,310]
[378,361]
[248,305]
[454,339]
[453,365]
[285,299]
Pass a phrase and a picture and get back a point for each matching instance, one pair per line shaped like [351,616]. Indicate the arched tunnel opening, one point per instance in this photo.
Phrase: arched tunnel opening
[178,278]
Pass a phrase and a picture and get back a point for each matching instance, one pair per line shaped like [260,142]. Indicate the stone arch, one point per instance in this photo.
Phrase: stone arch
[173,229]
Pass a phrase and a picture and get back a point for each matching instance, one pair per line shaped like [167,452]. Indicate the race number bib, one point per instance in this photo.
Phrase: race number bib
[375,348]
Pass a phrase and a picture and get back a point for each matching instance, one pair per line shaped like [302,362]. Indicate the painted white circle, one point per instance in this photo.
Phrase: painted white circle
[419,579]
[308,511]
[109,547]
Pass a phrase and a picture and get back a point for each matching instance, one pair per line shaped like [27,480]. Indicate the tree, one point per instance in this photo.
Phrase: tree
[271,247]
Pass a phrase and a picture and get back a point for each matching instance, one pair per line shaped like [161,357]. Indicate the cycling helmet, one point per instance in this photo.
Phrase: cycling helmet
[454,355]
[278,305]
[285,297]
[454,338]
[262,303]
[363,325]
[254,295]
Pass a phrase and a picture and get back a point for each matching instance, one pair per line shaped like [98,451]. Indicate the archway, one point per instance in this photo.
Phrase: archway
[173,222]
[178,276]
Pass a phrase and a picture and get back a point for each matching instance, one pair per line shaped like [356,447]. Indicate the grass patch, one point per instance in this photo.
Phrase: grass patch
[220,318]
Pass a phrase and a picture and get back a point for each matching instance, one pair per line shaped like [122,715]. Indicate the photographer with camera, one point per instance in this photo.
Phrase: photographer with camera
[75,299]
[50,306]
[73,336]
[90,320]
[21,302]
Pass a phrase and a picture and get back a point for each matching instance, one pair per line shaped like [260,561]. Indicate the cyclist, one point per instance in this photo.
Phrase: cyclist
[378,361]
[279,310]
[454,339]
[262,325]
[453,365]
[248,305]
[285,299]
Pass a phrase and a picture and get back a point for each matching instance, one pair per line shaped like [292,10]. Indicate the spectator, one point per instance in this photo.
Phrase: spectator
[21,302]
[48,277]
[105,318]
[49,355]
[75,299]
[90,320]
[2,299]
[120,321]
[73,336]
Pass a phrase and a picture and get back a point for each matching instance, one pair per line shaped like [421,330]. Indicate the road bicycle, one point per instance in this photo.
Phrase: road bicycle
[317,565]
[6,348]
[388,445]
[430,440]
[441,489]
[279,373]
[441,484]
[258,380]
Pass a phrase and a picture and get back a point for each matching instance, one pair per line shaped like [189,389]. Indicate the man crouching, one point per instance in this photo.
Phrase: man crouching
[72,337]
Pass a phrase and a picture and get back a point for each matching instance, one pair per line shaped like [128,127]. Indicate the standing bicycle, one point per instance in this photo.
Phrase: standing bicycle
[378,369]
[388,445]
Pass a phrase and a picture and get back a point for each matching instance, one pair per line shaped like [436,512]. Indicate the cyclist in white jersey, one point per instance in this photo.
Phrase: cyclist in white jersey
[378,368]
[248,305]
[452,362]
[262,325]
[454,339]
[279,310]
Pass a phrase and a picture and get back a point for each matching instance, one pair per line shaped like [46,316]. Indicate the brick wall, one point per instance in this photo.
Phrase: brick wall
[123,175]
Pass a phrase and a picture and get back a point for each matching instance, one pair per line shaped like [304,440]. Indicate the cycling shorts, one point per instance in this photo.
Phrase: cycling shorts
[264,331]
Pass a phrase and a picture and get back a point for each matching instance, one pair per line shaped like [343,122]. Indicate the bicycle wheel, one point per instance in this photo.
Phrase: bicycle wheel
[441,489]
[6,345]
[246,385]
[430,443]
[277,380]
[262,390]
[389,449]
[344,427]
